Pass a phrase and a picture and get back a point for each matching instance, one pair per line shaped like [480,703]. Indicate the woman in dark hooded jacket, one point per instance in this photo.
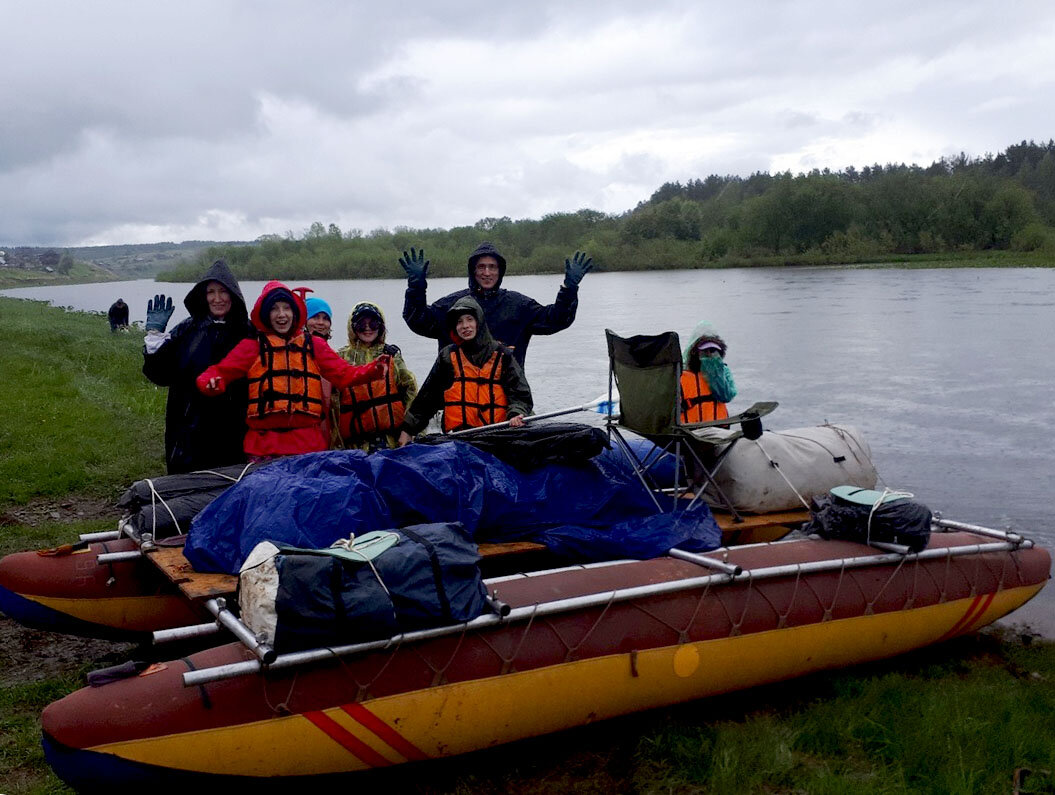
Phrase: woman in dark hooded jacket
[475,381]
[200,432]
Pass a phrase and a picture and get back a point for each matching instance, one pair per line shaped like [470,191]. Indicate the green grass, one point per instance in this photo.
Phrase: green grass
[76,414]
[77,418]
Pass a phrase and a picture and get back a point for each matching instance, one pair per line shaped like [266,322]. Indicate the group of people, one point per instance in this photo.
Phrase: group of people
[261,383]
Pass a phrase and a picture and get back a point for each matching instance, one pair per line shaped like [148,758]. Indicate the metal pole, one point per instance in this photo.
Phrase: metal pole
[989,532]
[108,535]
[185,633]
[707,562]
[115,557]
[218,607]
[529,418]
[233,670]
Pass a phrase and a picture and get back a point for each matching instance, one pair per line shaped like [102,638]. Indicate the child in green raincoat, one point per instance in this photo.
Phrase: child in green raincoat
[371,414]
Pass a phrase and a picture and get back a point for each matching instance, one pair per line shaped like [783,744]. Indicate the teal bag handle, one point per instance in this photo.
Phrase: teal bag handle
[363,548]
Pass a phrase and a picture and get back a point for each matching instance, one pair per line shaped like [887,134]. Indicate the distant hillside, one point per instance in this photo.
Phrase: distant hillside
[997,207]
[25,265]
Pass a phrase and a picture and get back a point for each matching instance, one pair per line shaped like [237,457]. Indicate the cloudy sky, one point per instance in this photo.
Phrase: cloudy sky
[133,122]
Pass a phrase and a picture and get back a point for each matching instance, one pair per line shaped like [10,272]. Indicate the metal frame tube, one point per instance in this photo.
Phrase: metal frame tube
[707,562]
[989,532]
[232,670]
[106,535]
[185,633]
[218,607]
[115,557]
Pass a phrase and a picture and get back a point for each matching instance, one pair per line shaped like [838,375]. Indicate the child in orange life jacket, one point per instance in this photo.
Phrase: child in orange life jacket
[285,366]
[706,382]
[371,415]
[475,381]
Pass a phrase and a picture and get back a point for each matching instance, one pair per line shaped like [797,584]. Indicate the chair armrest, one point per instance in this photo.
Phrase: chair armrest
[759,409]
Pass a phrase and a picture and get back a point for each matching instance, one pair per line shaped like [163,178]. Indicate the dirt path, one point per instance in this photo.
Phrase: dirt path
[68,509]
[31,655]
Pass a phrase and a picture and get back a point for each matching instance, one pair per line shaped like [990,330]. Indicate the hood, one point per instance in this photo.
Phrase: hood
[483,250]
[366,307]
[195,301]
[483,339]
[703,332]
[272,291]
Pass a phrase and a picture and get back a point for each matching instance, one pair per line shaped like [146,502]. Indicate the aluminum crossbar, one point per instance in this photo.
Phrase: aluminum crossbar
[107,535]
[555,607]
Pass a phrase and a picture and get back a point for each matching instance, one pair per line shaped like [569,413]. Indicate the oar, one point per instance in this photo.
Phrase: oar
[593,405]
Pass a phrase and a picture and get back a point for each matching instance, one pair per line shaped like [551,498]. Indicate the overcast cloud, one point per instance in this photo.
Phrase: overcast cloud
[134,122]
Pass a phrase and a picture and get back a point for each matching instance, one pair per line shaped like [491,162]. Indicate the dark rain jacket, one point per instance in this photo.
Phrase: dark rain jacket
[118,314]
[512,317]
[202,432]
[429,399]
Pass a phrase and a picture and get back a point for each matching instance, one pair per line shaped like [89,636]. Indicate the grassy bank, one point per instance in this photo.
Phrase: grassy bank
[77,417]
[80,273]
[78,422]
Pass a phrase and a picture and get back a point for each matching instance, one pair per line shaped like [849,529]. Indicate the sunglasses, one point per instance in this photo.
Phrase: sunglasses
[367,324]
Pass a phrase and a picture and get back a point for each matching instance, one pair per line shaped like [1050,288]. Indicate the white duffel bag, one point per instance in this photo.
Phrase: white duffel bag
[810,461]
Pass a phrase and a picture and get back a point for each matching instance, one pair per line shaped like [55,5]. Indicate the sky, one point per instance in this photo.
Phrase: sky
[139,122]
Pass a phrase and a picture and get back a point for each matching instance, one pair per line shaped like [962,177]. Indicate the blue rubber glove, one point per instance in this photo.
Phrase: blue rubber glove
[159,310]
[577,267]
[416,266]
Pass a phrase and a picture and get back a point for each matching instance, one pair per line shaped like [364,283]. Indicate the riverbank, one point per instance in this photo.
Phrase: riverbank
[78,423]
[454,265]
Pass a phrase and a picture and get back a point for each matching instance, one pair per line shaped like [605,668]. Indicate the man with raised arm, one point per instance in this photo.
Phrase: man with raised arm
[512,317]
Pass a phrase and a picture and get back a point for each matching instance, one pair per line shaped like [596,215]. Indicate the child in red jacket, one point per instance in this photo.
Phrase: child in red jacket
[285,366]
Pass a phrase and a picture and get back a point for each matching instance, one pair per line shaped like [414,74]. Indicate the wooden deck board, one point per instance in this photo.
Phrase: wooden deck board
[198,587]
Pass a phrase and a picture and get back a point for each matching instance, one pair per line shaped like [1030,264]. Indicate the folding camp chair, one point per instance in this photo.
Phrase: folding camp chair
[647,371]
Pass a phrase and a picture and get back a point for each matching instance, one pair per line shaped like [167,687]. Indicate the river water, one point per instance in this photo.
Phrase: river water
[948,372]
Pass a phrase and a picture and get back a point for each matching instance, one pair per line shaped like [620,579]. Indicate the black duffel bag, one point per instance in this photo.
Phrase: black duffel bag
[864,515]
[165,505]
[429,577]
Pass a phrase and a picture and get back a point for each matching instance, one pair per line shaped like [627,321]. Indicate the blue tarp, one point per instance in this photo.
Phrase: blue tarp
[593,510]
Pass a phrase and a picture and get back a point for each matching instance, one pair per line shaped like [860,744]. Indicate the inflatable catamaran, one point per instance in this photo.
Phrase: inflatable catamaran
[578,644]
[439,611]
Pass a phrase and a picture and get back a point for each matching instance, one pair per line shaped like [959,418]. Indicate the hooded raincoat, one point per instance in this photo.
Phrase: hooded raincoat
[358,352]
[479,350]
[706,381]
[283,429]
[201,432]
[512,317]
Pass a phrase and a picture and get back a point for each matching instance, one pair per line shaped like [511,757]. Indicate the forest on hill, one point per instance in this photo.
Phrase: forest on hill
[994,203]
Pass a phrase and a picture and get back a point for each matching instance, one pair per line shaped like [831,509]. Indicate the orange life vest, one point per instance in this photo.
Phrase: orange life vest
[371,408]
[476,397]
[285,378]
[697,402]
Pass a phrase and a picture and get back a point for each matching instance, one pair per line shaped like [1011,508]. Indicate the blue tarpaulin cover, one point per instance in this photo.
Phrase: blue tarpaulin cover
[594,510]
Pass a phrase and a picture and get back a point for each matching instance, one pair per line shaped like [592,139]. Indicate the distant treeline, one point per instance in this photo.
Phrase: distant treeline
[954,206]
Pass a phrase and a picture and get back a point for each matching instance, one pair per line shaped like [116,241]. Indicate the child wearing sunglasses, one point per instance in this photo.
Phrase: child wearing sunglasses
[371,414]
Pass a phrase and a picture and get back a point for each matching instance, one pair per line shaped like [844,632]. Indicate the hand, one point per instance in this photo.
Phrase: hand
[159,310]
[416,266]
[516,422]
[577,267]
[405,438]
[385,360]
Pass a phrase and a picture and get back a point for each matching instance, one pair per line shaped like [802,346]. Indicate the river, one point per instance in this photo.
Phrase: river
[948,372]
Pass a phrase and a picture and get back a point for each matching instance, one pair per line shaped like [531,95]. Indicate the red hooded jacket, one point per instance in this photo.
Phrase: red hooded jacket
[332,367]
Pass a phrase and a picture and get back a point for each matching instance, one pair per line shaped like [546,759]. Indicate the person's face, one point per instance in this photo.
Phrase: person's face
[466,327]
[218,299]
[486,272]
[367,329]
[319,324]
[281,317]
